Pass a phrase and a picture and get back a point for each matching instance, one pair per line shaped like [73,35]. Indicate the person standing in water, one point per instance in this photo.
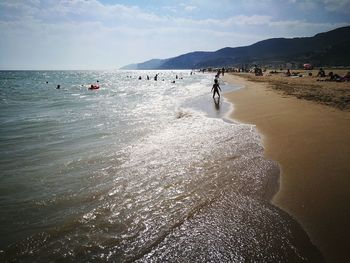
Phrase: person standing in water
[216,88]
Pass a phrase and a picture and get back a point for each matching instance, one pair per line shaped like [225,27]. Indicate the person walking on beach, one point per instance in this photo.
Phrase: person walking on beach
[216,88]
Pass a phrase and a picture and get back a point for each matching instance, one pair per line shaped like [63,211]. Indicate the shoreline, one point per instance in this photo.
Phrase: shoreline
[311,143]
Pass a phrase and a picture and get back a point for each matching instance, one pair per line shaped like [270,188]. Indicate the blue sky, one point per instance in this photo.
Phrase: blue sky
[106,34]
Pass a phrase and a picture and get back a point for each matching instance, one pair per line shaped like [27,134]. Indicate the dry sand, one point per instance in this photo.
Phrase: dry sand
[334,94]
[311,142]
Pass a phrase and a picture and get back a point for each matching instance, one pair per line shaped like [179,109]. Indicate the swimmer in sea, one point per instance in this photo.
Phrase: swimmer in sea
[216,88]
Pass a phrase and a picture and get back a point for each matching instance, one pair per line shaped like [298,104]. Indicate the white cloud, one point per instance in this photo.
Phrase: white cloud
[190,8]
[298,28]
[187,7]
[240,20]
[338,5]
[250,20]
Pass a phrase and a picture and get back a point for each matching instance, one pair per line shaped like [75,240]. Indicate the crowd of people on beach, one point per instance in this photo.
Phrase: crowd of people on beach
[321,75]
[332,76]
[258,71]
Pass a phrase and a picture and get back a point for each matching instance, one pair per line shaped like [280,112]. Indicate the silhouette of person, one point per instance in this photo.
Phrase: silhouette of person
[288,74]
[216,88]
[321,73]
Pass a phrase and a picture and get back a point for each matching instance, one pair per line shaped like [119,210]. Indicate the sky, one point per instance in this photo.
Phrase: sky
[106,34]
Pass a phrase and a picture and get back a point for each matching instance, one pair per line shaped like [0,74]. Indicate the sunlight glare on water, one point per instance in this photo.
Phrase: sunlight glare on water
[132,171]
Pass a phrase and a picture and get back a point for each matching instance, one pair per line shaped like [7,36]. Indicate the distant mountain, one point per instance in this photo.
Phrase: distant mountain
[130,66]
[331,48]
[185,61]
[149,64]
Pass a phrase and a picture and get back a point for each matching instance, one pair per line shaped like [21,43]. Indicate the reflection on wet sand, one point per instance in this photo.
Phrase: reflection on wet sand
[217,105]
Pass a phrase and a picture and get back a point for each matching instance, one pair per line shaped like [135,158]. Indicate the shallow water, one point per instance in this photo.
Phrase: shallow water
[136,170]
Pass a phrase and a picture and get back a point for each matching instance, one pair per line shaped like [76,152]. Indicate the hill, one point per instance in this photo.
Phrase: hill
[331,48]
[149,64]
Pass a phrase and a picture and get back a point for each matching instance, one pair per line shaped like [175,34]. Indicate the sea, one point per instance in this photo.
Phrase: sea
[138,170]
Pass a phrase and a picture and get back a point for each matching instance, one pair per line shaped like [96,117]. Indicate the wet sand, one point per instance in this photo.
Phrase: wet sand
[311,142]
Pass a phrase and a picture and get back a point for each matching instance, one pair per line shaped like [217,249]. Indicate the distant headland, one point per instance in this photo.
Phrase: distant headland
[328,49]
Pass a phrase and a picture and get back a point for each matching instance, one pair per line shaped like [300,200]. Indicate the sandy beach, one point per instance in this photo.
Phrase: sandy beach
[305,125]
[313,88]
